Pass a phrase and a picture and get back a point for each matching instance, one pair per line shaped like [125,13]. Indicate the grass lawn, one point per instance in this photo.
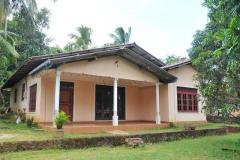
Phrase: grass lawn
[21,132]
[205,148]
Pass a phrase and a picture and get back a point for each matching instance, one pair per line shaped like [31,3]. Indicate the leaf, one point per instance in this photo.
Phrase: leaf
[8,47]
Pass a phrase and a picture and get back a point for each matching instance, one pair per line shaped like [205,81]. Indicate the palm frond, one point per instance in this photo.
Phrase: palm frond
[6,47]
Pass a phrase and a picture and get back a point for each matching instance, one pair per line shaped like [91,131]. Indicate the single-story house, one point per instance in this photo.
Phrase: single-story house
[116,83]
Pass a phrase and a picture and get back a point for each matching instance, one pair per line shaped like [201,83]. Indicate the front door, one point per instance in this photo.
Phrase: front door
[66,98]
[104,103]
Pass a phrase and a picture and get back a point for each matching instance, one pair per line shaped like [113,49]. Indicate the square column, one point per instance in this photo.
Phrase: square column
[57,93]
[157,118]
[115,99]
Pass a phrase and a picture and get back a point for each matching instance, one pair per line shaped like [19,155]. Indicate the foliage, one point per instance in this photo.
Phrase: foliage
[29,121]
[60,119]
[215,54]
[120,36]
[33,41]
[171,59]
[82,40]
[7,7]
[22,114]
[172,125]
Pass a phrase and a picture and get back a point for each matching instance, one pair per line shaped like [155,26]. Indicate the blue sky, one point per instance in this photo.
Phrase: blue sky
[162,27]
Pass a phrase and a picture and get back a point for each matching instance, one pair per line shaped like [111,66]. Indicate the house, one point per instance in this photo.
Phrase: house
[116,83]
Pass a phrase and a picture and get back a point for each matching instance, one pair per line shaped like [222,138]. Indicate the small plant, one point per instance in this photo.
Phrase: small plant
[172,125]
[22,114]
[60,119]
[30,122]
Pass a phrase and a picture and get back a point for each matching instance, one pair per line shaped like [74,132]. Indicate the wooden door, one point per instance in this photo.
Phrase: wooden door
[66,98]
[33,98]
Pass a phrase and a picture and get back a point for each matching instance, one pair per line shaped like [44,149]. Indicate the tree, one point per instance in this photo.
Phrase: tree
[171,59]
[32,41]
[215,53]
[7,7]
[82,40]
[120,36]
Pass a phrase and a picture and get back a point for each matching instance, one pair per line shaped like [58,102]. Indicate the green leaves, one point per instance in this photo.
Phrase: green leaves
[120,36]
[82,40]
[215,54]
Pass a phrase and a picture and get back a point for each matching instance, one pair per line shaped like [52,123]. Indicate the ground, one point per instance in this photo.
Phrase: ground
[207,148]
[9,132]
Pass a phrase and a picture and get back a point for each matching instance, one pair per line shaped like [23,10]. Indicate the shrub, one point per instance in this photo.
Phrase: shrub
[2,110]
[30,122]
[22,114]
[60,119]
[172,125]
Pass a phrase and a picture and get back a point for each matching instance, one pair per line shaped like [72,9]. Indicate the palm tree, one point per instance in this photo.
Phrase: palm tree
[120,36]
[29,7]
[82,39]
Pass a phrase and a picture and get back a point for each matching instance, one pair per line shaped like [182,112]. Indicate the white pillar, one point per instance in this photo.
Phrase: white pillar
[157,118]
[57,92]
[115,102]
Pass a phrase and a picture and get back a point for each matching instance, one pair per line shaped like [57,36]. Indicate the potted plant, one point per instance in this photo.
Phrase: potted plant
[60,119]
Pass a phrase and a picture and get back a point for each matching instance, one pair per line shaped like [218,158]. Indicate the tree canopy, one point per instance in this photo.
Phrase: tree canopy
[215,53]
[120,36]
[82,40]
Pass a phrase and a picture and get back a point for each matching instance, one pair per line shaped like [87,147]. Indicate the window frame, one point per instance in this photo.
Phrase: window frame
[23,91]
[15,95]
[30,108]
[188,102]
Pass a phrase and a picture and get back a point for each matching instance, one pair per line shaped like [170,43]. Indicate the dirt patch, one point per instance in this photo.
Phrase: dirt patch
[118,132]
[7,136]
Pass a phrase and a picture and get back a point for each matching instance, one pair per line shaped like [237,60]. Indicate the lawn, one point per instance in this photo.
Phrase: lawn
[207,148]
[10,132]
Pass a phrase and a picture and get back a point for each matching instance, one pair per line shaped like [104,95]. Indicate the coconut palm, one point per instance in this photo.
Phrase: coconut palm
[82,40]
[7,7]
[120,36]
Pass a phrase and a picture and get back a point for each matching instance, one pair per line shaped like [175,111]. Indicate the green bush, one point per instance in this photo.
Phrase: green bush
[30,122]
[172,125]
[60,119]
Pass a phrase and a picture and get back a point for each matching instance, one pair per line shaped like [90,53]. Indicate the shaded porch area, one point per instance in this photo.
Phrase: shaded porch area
[105,126]
[95,99]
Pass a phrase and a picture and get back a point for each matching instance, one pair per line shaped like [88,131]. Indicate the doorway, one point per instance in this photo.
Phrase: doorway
[104,102]
[66,98]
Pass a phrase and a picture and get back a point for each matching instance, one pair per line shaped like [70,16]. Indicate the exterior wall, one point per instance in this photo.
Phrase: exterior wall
[185,75]
[137,107]
[140,101]
[164,103]
[133,103]
[24,104]
[113,67]
[148,103]
[84,101]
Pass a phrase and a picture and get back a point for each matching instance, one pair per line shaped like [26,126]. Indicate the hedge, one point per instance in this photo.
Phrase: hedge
[69,143]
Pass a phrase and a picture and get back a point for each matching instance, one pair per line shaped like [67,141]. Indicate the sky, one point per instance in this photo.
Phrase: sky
[161,27]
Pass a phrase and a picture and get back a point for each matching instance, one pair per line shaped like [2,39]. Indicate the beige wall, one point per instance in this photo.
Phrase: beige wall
[185,75]
[21,104]
[114,67]
[140,101]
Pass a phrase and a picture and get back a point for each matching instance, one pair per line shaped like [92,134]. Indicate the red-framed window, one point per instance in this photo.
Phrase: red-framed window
[187,99]
[33,98]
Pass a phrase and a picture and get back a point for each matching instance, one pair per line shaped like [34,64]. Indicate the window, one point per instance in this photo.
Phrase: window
[15,95]
[23,91]
[187,99]
[33,97]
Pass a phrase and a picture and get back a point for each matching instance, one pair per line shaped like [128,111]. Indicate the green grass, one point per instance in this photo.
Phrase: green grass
[206,148]
[21,132]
